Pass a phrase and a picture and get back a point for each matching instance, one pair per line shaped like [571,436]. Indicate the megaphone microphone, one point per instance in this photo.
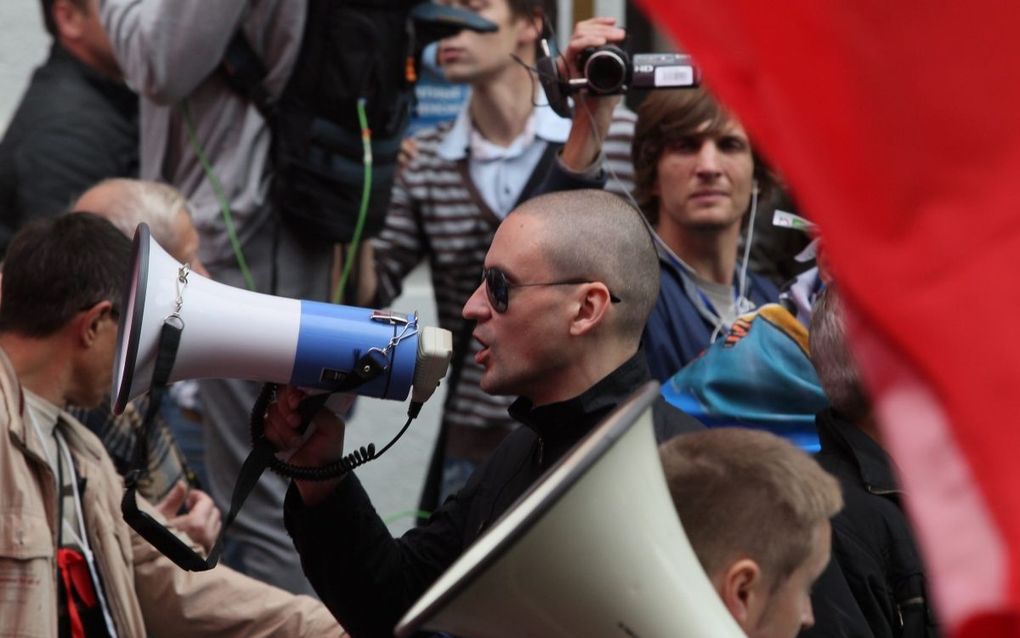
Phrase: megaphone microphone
[231,333]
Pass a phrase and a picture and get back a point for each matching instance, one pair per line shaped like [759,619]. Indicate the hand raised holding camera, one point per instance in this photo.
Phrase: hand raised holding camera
[592,113]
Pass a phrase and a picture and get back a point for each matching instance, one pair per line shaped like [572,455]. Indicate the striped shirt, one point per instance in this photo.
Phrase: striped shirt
[437,213]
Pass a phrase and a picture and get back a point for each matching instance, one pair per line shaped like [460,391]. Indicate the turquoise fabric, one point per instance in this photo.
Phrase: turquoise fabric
[758,377]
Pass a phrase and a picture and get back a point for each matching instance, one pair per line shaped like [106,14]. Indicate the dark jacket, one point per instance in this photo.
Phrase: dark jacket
[369,579]
[678,328]
[874,556]
[72,129]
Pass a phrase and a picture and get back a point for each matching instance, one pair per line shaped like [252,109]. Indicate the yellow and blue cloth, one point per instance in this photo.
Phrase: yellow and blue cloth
[760,376]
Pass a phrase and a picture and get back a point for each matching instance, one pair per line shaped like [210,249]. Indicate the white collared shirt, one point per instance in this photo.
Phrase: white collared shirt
[500,173]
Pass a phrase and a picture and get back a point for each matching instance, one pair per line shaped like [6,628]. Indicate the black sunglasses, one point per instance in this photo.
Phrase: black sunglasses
[497,288]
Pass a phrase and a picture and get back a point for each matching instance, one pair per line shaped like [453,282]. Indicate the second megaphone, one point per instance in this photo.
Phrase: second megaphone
[230,333]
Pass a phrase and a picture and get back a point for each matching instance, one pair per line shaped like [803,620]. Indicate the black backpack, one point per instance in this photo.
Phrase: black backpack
[352,50]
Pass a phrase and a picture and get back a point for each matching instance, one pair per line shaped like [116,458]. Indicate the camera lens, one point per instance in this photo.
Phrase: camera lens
[606,71]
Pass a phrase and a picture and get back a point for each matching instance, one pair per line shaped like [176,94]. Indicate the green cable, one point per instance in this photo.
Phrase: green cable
[220,196]
[366,192]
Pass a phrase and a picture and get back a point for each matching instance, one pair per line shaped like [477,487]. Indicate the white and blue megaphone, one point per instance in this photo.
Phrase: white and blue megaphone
[230,333]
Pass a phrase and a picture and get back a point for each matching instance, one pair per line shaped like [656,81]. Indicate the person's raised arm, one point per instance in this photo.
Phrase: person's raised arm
[592,113]
[166,48]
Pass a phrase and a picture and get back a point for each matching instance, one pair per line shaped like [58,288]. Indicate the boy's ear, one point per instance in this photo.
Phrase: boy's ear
[741,590]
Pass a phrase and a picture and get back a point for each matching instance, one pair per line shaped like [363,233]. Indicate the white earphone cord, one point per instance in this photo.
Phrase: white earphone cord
[747,253]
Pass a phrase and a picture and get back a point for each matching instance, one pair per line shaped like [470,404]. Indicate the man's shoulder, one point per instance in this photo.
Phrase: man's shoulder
[427,158]
[58,80]
[62,108]
[673,280]
[429,138]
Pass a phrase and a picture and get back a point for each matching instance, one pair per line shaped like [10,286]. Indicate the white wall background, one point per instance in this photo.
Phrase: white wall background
[23,46]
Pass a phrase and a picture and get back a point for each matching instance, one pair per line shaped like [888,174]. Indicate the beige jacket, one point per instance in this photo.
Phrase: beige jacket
[148,595]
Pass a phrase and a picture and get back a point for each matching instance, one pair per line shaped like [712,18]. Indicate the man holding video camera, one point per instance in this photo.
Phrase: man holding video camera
[559,316]
[697,178]
[450,198]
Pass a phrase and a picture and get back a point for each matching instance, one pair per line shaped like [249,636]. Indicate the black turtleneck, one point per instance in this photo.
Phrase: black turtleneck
[369,579]
[558,426]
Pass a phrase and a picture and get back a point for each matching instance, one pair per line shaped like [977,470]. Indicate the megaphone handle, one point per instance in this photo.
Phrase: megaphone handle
[309,407]
[333,470]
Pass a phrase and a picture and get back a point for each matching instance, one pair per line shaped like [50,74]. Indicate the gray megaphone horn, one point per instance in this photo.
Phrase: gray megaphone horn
[594,549]
[231,333]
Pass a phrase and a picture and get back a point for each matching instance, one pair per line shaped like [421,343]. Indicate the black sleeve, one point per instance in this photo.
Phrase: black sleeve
[557,178]
[364,576]
[57,165]
[837,614]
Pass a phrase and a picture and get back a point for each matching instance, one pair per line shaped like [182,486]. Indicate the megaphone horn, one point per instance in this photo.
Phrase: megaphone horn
[594,549]
[230,333]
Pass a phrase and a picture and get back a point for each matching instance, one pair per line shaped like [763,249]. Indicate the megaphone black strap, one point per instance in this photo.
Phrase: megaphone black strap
[373,363]
[169,341]
[145,525]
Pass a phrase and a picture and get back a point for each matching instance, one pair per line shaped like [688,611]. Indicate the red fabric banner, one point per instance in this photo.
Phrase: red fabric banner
[896,125]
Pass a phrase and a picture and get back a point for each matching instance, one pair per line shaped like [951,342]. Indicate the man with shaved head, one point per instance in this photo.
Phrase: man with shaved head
[567,285]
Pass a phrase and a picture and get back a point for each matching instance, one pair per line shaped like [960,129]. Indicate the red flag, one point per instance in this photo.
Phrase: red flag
[896,125]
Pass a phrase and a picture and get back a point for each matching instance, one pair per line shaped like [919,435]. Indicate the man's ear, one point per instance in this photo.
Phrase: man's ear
[68,18]
[742,591]
[89,322]
[593,303]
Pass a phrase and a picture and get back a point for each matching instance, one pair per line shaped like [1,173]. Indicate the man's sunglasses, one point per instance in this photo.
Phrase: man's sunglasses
[497,288]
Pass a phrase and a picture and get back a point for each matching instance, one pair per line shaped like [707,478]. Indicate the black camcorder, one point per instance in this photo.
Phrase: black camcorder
[609,70]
